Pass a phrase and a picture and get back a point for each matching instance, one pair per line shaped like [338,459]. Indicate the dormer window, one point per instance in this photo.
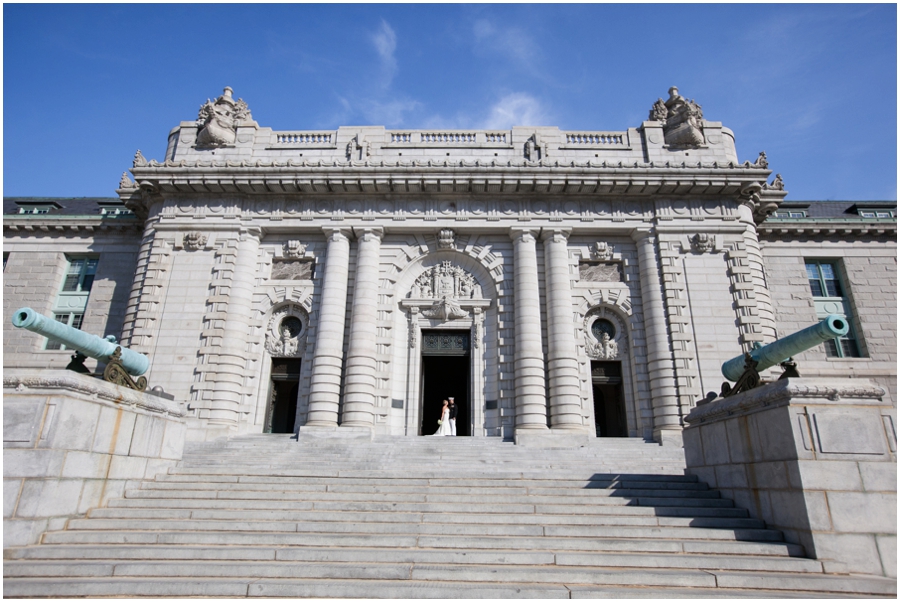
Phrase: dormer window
[38,208]
[792,214]
[876,213]
[114,209]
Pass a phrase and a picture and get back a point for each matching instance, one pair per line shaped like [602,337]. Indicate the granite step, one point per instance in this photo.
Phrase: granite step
[271,516]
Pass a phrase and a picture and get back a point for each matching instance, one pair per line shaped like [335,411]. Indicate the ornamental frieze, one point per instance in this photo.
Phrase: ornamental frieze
[445,281]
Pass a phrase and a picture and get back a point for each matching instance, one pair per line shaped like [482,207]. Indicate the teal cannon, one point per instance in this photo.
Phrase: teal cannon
[745,369]
[122,363]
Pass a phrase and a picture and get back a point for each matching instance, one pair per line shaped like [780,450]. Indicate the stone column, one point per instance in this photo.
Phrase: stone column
[531,401]
[660,366]
[232,356]
[562,360]
[359,385]
[325,385]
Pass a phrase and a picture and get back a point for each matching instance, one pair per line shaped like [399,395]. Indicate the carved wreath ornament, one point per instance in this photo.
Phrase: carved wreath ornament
[286,331]
[602,338]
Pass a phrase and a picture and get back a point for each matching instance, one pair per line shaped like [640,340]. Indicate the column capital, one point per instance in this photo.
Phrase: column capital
[250,232]
[524,234]
[368,233]
[642,233]
[556,234]
[336,234]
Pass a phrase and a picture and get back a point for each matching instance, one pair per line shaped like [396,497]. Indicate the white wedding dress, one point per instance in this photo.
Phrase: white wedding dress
[444,429]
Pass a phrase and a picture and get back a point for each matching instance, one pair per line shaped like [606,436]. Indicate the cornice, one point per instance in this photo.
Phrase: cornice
[831,228]
[790,391]
[463,177]
[60,224]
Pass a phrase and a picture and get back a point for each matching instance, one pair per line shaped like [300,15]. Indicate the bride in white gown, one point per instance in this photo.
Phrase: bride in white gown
[444,429]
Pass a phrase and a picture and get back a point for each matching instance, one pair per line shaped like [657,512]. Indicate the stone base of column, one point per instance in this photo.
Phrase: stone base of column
[558,438]
[671,437]
[335,432]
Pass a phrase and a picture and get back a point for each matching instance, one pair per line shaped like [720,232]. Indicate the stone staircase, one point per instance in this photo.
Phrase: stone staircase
[423,517]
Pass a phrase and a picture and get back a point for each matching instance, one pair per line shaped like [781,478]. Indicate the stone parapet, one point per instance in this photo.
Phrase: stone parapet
[71,442]
[815,458]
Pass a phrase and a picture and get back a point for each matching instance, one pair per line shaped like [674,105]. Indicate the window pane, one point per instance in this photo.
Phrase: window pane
[812,271]
[831,349]
[827,271]
[71,283]
[87,283]
[816,287]
[76,321]
[848,346]
[833,288]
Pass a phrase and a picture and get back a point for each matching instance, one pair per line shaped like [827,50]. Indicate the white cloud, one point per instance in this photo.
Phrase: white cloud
[385,41]
[391,113]
[517,108]
[511,42]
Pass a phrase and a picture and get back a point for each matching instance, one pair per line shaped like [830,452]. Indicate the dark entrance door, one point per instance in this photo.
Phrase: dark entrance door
[609,404]
[282,410]
[445,373]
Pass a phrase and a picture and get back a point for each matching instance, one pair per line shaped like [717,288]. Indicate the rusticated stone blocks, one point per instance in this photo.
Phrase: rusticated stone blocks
[815,458]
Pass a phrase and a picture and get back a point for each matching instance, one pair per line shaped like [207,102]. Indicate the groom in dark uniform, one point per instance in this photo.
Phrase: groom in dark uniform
[453,412]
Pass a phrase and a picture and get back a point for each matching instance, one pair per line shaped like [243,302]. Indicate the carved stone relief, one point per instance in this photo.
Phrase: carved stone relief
[604,336]
[600,271]
[218,120]
[194,241]
[286,331]
[447,239]
[702,243]
[601,251]
[682,119]
[292,270]
[445,281]
[294,249]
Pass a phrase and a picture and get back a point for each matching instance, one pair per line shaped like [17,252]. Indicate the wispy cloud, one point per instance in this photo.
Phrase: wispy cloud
[391,113]
[517,108]
[512,43]
[385,41]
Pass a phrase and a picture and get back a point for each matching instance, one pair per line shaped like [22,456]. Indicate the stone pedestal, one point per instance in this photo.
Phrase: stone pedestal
[71,442]
[814,458]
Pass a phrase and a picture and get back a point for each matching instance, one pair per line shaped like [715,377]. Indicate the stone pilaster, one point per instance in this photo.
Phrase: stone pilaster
[765,330]
[232,356]
[531,402]
[562,360]
[660,366]
[325,385]
[359,386]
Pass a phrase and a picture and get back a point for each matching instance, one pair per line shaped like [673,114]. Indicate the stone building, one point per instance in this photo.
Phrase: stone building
[561,285]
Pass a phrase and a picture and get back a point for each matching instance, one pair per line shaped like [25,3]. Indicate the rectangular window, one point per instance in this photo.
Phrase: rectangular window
[830,298]
[70,319]
[80,276]
[71,302]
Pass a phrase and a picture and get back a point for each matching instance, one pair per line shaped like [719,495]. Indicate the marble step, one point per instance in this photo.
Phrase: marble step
[642,481]
[400,535]
[281,470]
[629,517]
[164,551]
[437,494]
[614,583]
[598,506]
[435,528]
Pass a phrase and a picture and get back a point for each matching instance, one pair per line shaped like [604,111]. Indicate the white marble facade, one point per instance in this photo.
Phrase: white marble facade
[553,251]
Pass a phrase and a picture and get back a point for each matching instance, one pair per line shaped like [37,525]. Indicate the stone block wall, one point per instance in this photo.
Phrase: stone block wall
[33,278]
[869,276]
[71,442]
[814,458]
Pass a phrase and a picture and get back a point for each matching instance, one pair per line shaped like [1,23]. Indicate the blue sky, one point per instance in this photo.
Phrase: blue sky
[815,86]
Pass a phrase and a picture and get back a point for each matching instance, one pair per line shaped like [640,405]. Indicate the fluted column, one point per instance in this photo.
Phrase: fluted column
[232,355]
[359,385]
[660,367]
[562,353]
[531,403]
[325,385]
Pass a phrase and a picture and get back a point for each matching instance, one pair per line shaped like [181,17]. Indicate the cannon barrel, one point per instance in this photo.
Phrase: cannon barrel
[832,327]
[88,344]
